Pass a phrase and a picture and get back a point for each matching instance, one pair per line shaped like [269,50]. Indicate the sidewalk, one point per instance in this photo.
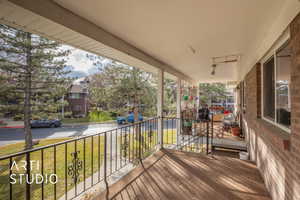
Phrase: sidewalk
[11,124]
[20,124]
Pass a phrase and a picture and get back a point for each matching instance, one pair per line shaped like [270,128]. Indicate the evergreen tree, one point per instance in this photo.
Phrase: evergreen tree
[210,91]
[35,68]
[120,88]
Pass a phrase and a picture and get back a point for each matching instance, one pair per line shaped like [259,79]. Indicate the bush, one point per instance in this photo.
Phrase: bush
[99,116]
[18,117]
[54,116]
[68,114]
[36,117]
[113,114]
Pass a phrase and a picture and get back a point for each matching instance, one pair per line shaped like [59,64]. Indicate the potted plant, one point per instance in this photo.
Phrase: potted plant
[235,130]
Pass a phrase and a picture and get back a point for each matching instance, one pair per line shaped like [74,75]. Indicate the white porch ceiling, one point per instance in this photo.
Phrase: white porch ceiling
[66,27]
[163,34]
[168,29]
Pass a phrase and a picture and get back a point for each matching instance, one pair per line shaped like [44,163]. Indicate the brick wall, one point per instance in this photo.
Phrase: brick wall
[74,103]
[276,153]
[295,100]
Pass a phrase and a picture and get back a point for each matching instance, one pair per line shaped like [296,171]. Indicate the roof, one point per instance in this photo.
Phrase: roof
[77,89]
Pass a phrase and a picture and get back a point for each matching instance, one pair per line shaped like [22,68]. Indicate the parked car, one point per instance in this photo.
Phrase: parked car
[45,123]
[128,119]
[121,120]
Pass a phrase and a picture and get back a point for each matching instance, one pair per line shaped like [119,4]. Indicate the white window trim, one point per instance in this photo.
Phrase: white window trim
[284,38]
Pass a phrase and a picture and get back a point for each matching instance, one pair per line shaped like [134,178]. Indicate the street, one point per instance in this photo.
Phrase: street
[14,135]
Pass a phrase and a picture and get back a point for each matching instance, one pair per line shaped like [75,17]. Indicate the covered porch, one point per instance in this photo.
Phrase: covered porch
[171,174]
[191,42]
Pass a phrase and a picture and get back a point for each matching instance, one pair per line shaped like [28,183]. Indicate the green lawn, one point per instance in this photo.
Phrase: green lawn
[82,120]
[149,141]
[49,164]
[94,116]
[170,138]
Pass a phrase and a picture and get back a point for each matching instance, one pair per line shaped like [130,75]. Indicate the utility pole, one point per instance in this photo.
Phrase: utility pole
[62,106]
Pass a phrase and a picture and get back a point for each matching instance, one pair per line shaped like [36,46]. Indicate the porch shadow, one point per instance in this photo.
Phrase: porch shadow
[170,174]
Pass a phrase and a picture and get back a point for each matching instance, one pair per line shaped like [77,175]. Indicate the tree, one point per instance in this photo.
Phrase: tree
[209,91]
[170,97]
[119,88]
[36,70]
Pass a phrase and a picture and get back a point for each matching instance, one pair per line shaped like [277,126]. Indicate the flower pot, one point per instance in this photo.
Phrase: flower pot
[236,131]
[244,155]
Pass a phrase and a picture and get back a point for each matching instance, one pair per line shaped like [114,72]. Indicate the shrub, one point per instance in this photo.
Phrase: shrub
[113,114]
[18,117]
[68,114]
[36,117]
[99,116]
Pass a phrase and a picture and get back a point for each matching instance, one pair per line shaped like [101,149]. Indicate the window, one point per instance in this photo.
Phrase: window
[283,80]
[77,108]
[268,88]
[75,96]
[276,87]
[230,99]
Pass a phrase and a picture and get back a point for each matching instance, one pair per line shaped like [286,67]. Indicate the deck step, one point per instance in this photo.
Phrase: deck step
[229,146]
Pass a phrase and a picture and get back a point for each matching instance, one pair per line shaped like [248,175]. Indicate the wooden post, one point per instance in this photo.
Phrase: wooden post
[178,113]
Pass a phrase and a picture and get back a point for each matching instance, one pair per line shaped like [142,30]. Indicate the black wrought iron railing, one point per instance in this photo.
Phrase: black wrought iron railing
[67,169]
[195,136]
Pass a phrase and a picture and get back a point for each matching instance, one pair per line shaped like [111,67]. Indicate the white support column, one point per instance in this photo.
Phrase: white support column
[198,100]
[178,113]
[160,100]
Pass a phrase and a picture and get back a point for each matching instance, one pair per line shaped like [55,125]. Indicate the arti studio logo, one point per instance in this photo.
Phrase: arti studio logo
[33,178]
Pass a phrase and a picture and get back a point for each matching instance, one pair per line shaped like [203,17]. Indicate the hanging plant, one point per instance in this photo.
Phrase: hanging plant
[185,97]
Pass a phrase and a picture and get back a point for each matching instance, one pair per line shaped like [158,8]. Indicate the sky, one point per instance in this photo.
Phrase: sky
[80,63]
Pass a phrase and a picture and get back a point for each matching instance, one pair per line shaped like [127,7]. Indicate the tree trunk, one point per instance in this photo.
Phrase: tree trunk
[27,101]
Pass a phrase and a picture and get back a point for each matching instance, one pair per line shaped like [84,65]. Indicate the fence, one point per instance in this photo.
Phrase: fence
[71,167]
[197,138]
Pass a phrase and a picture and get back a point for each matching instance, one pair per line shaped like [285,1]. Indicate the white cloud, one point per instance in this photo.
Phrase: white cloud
[79,61]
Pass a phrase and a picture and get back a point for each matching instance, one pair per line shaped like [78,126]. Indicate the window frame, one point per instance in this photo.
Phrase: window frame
[75,96]
[244,95]
[272,56]
[272,53]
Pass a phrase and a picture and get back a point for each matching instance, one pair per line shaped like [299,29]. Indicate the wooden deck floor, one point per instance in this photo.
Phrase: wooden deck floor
[176,175]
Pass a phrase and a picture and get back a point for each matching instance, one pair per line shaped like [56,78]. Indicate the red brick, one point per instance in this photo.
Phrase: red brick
[277,156]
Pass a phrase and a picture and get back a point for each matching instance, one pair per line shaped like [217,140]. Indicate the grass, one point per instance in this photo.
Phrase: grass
[14,148]
[149,141]
[94,116]
[81,120]
[49,165]
[169,138]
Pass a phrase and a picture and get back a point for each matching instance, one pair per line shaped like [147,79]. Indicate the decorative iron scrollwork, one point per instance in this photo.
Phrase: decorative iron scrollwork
[125,145]
[75,167]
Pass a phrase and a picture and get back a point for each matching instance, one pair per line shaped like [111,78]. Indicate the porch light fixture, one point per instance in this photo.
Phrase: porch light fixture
[223,60]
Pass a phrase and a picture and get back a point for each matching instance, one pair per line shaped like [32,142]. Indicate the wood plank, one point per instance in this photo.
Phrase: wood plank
[170,174]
